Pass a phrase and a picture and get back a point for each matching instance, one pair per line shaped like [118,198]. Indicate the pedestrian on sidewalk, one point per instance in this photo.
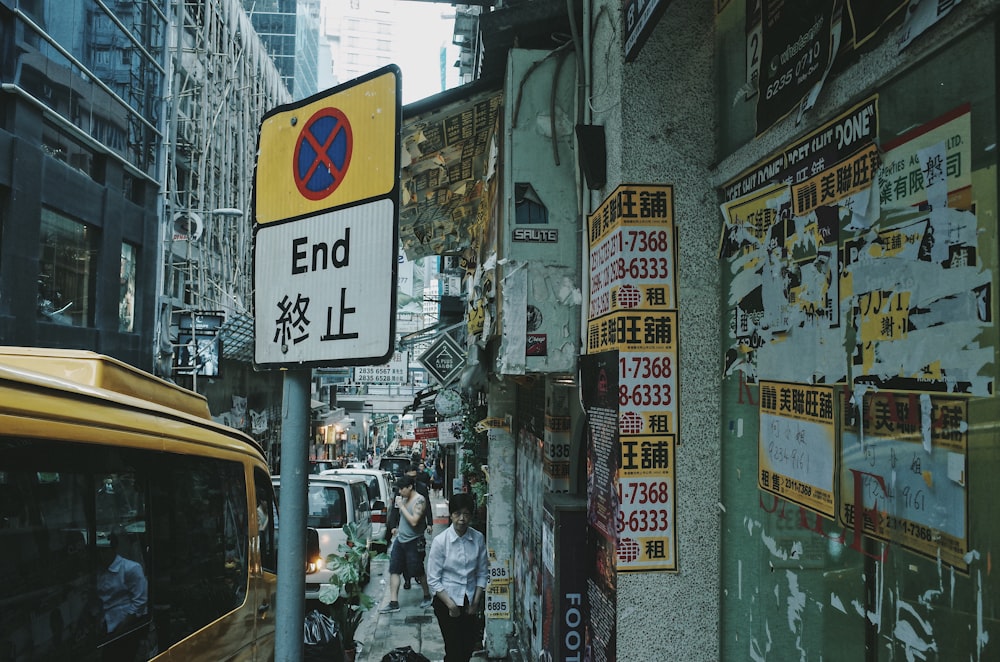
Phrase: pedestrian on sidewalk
[457,571]
[422,486]
[408,548]
[393,519]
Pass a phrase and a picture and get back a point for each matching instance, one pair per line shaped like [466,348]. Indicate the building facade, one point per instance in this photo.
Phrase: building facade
[777,425]
[128,143]
[82,143]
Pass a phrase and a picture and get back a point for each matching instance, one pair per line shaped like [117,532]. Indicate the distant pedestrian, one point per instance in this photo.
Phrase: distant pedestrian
[423,487]
[457,571]
[409,546]
[437,480]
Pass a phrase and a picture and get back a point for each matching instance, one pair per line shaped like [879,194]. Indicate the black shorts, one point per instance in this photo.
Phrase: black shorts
[408,558]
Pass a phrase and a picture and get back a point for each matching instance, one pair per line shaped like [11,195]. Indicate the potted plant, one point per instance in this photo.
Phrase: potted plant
[345,592]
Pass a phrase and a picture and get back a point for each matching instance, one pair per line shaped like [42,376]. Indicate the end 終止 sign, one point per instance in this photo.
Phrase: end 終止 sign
[326,208]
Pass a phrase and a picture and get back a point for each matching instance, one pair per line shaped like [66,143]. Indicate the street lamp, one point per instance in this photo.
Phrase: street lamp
[231,212]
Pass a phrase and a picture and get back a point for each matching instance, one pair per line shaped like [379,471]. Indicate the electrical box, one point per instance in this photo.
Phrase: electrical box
[539,230]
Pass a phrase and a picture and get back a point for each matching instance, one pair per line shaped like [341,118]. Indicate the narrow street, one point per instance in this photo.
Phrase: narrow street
[410,626]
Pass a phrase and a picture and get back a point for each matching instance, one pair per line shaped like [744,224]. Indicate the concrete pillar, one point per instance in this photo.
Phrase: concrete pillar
[500,500]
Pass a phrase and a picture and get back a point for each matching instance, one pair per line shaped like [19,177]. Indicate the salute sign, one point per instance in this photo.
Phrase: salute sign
[326,206]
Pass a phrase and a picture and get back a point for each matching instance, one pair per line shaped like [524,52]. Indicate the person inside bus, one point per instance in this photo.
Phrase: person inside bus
[124,595]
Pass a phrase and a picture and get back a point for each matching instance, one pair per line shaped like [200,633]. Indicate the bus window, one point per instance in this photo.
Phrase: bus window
[199,542]
[267,520]
[72,538]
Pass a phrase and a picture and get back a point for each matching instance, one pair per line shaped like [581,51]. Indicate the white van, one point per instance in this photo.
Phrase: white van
[381,489]
[332,502]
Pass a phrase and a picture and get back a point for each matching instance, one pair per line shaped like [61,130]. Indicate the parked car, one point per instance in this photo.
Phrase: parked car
[395,464]
[319,466]
[381,489]
[332,502]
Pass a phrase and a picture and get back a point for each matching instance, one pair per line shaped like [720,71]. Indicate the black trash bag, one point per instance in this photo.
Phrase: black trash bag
[322,638]
[404,654]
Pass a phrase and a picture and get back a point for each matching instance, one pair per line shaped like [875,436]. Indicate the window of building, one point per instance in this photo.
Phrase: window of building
[126,296]
[528,207]
[67,275]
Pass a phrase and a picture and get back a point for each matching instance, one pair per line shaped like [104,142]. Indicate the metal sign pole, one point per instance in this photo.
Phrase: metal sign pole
[309,200]
[288,644]
[194,349]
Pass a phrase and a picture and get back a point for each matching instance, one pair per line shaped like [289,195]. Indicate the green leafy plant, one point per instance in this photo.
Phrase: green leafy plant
[473,453]
[345,592]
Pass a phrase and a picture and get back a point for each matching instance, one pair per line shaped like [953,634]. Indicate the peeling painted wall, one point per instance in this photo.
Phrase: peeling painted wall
[540,261]
[884,296]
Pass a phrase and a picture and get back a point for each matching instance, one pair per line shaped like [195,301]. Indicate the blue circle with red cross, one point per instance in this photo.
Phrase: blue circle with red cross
[323,153]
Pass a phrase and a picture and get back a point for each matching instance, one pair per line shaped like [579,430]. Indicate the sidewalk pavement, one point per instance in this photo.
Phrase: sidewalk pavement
[410,626]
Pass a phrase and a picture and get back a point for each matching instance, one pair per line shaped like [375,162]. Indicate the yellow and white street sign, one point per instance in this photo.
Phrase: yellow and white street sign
[330,150]
[326,231]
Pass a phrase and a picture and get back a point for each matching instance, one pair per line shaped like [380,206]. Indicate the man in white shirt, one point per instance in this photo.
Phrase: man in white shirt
[123,591]
[457,571]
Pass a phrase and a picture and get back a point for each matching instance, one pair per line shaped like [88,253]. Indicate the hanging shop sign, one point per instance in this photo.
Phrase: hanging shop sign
[444,359]
[639,18]
[396,371]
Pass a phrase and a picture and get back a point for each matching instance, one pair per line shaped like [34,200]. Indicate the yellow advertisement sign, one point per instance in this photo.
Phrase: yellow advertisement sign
[905,472]
[852,175]
[330,150]
[498,601]
[633,331]
[646,518]
[751,216]
[631,205]
[493,423]
[902,177]
[797,452]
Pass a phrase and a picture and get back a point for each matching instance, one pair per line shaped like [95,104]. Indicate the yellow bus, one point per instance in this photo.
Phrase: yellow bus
[132,526]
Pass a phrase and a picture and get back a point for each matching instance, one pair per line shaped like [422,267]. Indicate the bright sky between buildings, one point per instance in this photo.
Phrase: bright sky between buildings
[366,34]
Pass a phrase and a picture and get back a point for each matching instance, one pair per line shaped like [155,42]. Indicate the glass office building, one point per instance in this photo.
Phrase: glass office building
[80,152]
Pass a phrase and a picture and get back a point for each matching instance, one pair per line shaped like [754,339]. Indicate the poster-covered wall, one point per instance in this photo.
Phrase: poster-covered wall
[859,266]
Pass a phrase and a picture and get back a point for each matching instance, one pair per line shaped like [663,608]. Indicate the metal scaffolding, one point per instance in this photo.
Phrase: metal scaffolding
[222,83]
